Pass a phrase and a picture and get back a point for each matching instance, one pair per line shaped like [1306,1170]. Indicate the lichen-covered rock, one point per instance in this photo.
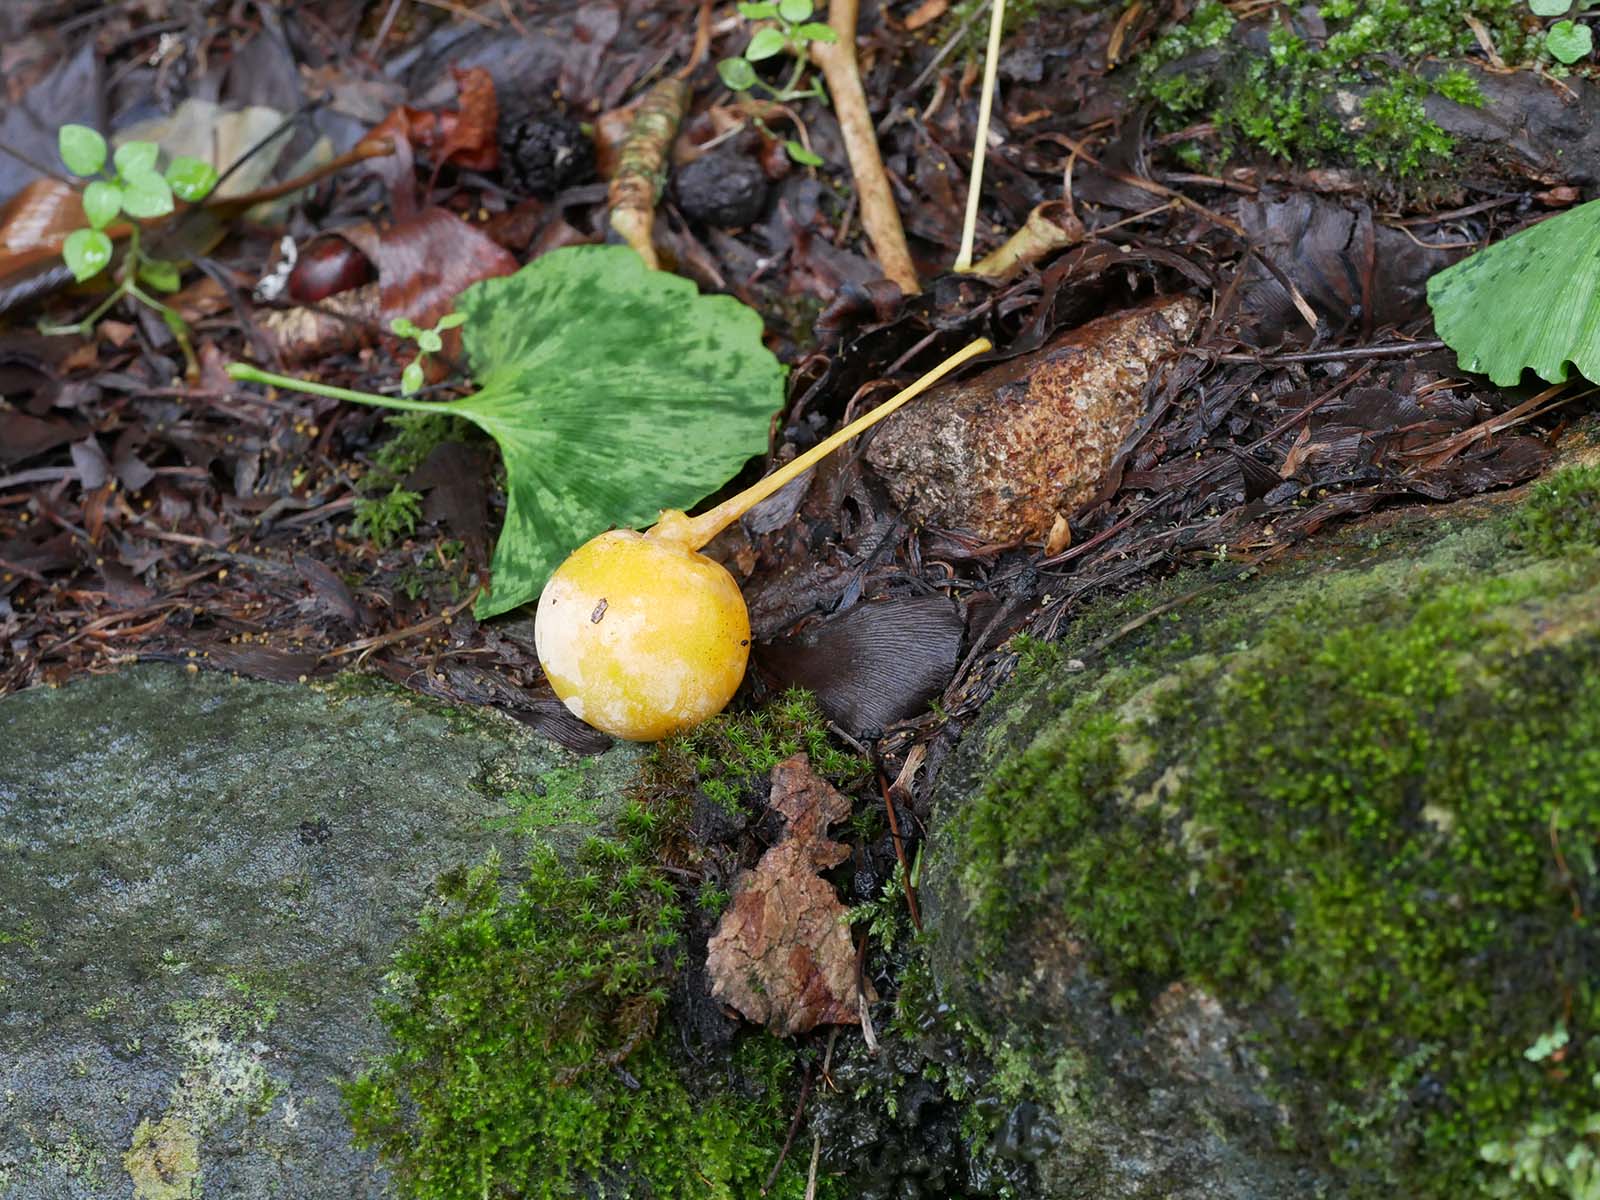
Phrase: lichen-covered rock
[1287,892]
[202,881]
[1005,453]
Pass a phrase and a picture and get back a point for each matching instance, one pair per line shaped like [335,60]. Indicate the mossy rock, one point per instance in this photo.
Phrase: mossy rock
[550,1033]
[202,882]
[1286,891]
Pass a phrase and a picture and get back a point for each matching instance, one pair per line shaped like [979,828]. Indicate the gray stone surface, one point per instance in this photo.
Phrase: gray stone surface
[201,883]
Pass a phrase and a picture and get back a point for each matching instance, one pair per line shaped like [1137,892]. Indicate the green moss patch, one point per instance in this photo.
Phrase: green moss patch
[1561,516]
[527,1060]
[1361,807]
[1305,91]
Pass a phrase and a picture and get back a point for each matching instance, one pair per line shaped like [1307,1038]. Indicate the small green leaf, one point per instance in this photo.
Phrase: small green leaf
[411,378]
[405,327]
[101,203]
[178,326]
[758,12]
[1530,301]
[1549,8]
[614,391]
[1568,41]
[160,274]
[191,178]
[795,11]
[737,74]
[451,321]
[86,253]
[145,194]
[801,155]
[82,149]
[429,341]
[135,158]
[1547,1044]
[816,31]
[765,44]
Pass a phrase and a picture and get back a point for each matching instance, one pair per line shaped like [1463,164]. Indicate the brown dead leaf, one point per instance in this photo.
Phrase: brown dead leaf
[340,324]
[470,139]
[424,262]
[465,137]
[782,954]
[36,221]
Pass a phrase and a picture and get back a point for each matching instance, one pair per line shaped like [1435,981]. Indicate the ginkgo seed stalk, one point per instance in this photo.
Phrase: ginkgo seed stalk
[695,532]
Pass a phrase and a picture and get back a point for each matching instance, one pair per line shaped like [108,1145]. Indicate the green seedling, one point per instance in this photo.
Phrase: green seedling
[792,33]
[611,389]
[1566,40]
[429,341]
[132,187]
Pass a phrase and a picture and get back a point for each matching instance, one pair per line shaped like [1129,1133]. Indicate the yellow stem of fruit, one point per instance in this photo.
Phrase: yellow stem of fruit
[694,532]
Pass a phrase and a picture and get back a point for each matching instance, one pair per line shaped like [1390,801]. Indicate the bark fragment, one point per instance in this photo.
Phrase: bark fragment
[1006,452]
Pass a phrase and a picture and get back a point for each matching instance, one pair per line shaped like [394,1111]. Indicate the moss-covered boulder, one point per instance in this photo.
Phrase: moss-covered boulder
[202,883]
[1285,889]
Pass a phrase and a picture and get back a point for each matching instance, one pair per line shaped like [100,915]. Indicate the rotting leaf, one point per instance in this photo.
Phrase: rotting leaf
[465,137]
[425,262]
[782,954]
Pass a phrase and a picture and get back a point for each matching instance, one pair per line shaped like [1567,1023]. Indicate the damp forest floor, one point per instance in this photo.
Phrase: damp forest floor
[1300,171]
[149,516]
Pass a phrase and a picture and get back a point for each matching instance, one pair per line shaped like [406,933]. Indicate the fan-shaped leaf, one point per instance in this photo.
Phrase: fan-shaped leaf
[1532,300]
[614,391]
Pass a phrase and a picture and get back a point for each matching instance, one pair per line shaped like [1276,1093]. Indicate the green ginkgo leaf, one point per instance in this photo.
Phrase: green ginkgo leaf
[1530,301]
[614,391]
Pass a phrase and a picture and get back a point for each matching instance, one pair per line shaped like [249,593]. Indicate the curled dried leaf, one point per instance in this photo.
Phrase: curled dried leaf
[782,954]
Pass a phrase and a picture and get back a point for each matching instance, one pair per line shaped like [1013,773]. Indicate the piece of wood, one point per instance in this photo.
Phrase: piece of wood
[880,217]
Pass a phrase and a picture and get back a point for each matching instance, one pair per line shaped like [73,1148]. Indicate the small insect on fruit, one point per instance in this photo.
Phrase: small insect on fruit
[641,635]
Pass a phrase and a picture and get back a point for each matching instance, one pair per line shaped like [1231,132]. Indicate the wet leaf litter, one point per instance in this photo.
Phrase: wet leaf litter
[1294,383]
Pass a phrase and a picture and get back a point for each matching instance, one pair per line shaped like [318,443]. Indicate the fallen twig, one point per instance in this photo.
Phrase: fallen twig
[879,215]
[642,165]
[900,854]
[794,1128]
[980,146]
[1391,350]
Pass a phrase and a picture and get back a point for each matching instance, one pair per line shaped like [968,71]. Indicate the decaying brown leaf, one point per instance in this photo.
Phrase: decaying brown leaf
[782,954]
[465,136]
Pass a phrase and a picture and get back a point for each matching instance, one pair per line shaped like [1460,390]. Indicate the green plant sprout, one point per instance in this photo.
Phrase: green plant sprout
[1566,40]
[793,34]
[135,188]
[612,391]
[388,516]
[429,341]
